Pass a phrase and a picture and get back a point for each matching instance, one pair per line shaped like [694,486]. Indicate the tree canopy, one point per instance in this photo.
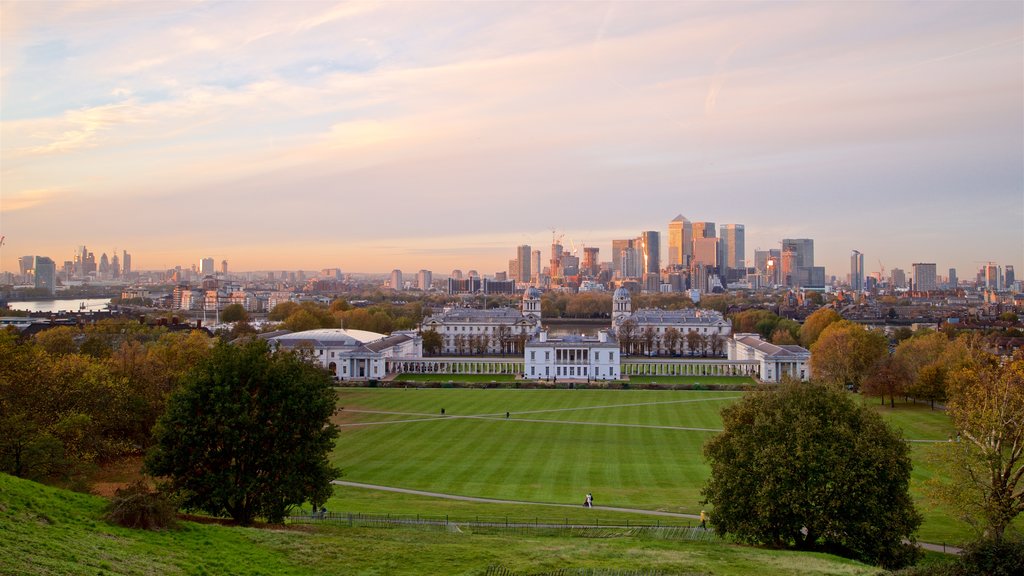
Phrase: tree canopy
[805,465]
[815,324]
[248,434]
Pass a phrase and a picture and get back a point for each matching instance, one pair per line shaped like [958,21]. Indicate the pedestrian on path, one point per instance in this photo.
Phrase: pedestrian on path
[703,520]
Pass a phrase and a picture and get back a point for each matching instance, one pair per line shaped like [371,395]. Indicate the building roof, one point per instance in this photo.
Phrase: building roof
[576,340]
[328,338]
[773,350]
[390,341]
[492,315]
[683,316]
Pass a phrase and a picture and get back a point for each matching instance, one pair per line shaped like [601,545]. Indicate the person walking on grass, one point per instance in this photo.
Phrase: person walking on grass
[703,520]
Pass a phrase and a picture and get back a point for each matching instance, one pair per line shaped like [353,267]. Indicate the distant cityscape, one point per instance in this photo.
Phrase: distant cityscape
[700,259]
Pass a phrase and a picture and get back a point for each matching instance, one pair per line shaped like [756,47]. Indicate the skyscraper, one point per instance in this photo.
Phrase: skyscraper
[899,277]
[591,267]
[206,267]
[424,279]
[224,267]
[126,263]
[396,280]
[857,271]
[803,249]
[46,274]
[524,273]
[535,266]
[732,247]
[1010,278]
[924,277]
[624,259]
[650,255]
[680,242]
[705,252]
[953,281]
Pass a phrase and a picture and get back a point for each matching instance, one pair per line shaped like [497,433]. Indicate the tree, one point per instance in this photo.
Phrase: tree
[986,404]
[59,340]
[432,342]
[672,339]
[716,342]
[805,465]
[815,324]
[694,341]
[845,353]
[627,334]
[647,337]
[248,434]
[234,313]
[890,377]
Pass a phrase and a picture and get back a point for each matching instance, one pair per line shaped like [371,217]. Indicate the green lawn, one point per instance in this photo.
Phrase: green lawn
[557,445]
[461,378]
[50,531]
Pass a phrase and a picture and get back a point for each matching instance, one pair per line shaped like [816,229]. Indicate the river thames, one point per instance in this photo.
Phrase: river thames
[81,305]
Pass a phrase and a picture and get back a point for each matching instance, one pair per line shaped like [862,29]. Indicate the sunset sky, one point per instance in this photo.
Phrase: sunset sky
[440,135]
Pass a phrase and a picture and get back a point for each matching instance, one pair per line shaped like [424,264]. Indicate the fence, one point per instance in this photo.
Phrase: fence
[513,526]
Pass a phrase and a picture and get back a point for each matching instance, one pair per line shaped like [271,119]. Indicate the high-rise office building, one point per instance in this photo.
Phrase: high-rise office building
[650,252]
[396,280]
[206,267]
[46,274]
[705,252]
[224,267]
[456,274]
[115,265]
[523,273]
[924,277]
[899,278]
[556,259]
[535,266]
[26,264]
[590,267]
[104,269]
[766,265]
[703,230]
[126,263]
[680,242]
[732,247]
[424,279]
[993,276]
[1009,276]
[803,249]
[857,271]
[953,281]
[624,259]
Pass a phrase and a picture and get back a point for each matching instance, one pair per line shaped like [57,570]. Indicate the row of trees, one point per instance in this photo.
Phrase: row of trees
[382,318]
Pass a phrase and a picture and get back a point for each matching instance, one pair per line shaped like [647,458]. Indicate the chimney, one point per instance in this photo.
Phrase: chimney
[544,336]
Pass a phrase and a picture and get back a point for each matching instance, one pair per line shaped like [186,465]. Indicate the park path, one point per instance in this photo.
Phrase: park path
[943,548]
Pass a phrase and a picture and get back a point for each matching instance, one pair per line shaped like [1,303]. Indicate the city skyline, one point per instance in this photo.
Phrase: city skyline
[434,136]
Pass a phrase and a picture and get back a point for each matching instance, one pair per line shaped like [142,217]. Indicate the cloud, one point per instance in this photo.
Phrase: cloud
[29,199]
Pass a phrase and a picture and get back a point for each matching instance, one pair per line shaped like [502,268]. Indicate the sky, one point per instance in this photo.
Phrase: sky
[440,135]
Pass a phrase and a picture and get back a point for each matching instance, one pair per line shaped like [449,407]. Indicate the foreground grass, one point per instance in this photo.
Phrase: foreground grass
[50,531]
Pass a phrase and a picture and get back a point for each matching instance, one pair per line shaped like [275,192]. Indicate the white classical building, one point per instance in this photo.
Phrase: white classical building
[699,331]
[352,354]
[776,360]
[572,357]
[493,331]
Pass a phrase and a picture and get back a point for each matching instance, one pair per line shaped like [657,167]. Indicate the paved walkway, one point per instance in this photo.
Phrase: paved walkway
[925,545]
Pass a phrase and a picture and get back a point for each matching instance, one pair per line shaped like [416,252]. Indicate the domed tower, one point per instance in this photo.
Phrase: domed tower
[622,306]
[531,303]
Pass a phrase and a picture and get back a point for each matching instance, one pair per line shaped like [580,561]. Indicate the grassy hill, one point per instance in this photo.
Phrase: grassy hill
[51,531]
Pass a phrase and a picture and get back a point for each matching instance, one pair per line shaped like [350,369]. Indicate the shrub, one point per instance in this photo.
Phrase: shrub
[135,506]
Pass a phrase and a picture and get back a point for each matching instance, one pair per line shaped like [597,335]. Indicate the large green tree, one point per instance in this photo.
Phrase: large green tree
[805,465]
[845,353]
[248,434]
[986,404]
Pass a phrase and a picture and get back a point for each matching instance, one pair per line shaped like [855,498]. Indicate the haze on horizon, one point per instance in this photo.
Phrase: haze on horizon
[372,136]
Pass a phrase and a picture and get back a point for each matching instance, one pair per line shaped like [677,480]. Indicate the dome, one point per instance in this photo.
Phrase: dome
[328,337]
[531,293]
[621,294]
